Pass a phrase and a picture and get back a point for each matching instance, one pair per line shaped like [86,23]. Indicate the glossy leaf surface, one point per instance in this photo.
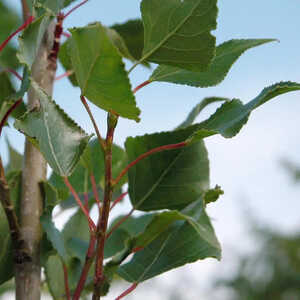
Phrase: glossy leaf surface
[58,137]
[100,71]
[226,55]
[182,242]
[177,32]
[169,179]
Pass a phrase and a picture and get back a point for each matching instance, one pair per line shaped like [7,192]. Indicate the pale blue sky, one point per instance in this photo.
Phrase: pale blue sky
[246,166]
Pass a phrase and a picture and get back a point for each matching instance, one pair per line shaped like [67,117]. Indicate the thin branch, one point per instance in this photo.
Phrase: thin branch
[14,73]
[74,8]
[141,85]
[120,198]
[85,270]
[144,155]
[26,23]
[128,291]
[86,201]
[84,102]
[95,192]
[112,121]
[119,223]
[75,195]
[10,110]
[66,280]
[66,74]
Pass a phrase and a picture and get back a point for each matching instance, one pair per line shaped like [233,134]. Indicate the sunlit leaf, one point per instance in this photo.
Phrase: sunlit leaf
[177,33]
[226,55]
[58,137]
[100,71]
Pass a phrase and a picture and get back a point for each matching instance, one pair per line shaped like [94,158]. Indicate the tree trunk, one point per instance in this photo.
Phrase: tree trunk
[28,274]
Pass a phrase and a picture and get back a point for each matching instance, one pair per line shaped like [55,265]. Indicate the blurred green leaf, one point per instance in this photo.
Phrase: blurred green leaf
[6,251]
[58,137]
[212,195]
[15,159]
[226,55]
[177,33]
[100,71]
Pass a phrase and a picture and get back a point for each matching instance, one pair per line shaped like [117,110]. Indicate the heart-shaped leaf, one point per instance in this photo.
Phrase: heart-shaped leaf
[169,179]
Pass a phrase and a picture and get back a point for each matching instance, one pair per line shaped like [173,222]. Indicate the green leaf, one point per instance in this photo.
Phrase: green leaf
[119,43]
[232,116]
[58,137]
[8,57]
[31,39]
[177,33]
[189,238]
[100,71]
[65,59]
[51,6]
[76,227]
[54,236]
[197,110]
[128,230]
[68,2]
[6,251]
[226,55]
[55,277]
[168,179]
[7,88]
[15,159]
[132,33]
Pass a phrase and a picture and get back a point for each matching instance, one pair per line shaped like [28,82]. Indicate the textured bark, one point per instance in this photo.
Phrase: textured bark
[34,171]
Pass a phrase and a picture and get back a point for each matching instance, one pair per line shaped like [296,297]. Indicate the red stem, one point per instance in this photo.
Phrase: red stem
[10,110]
[86,201]
[75,195]
[141,85]
[150,152]
[120,198]
[26,23]
[95,192]
[74,8]
[85,271]
[14,72]
[68,295]
[128,291]
[67,35]
[66,74]
[119,223]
